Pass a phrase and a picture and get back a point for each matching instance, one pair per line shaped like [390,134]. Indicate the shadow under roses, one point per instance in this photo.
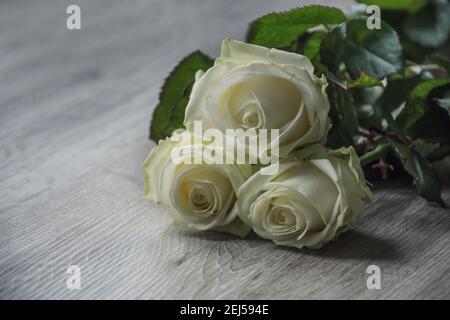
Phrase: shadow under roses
[355,244]
[397,212]
[352,244]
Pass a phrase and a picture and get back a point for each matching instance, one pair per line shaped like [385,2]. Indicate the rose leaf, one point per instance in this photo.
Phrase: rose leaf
[174,93]
[377,52]
[444,103]
[279,29]
[364,80]
[423,117]
[425,178]
[332,47]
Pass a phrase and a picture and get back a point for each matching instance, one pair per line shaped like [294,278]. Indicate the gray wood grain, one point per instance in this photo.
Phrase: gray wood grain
[74,111]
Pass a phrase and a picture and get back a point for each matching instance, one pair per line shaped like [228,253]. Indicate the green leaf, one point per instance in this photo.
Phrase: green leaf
[364,80]
[444,103]
[430,27]
[394,96]
[343,116]
[425,178]
[332,47]
[280,29]
[439,154]
[312,50]
[312,45]
[369,116]
[176,115]
[393,124]
[441,61]
[421,103]
[397,91]
[172,97]
[342,101]
[377,52]
[422,116]
[403,5]
[338,137]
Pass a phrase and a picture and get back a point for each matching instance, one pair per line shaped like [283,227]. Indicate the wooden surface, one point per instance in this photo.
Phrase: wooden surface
[74,112]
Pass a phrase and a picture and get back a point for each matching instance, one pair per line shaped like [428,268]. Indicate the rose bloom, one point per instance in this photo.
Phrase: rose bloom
[315,195]
[197,196]
[253,87]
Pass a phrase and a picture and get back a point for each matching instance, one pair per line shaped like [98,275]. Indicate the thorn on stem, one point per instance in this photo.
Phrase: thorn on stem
[384,168]
[368,141]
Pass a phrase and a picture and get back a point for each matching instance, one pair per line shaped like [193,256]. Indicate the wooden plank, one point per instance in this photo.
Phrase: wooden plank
[74,110]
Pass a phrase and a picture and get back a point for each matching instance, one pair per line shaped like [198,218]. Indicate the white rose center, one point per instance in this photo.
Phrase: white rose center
[314,185]
[250,118]
[200,198]
[281,217]
[203,193]
[262,102]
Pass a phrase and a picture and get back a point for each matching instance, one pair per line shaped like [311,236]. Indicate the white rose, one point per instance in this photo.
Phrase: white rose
[253,87]
[197,196]
[315,195]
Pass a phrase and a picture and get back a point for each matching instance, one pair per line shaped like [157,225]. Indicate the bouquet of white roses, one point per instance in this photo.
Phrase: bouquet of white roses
[308,77]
